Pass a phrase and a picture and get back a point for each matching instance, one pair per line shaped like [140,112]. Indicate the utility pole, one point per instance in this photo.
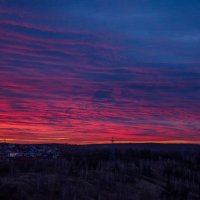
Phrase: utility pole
[112,140]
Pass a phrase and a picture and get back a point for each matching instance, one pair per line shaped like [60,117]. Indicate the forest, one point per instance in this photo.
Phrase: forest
[118,172]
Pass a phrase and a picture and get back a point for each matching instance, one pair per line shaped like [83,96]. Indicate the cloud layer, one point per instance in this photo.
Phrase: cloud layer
[83,73]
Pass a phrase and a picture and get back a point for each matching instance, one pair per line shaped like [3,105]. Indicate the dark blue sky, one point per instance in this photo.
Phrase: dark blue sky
[84,71]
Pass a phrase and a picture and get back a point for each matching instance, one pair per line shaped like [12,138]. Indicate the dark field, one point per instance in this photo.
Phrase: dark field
[118,172]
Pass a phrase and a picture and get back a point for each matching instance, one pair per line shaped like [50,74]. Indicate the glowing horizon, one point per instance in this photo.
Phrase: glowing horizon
[13,141]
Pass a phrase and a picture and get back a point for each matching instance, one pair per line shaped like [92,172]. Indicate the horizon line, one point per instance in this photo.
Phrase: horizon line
[108,143]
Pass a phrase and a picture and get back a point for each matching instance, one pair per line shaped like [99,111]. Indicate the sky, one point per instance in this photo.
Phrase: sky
[82,72]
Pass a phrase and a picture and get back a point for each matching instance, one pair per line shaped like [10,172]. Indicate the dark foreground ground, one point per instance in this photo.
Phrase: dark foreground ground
[110,172]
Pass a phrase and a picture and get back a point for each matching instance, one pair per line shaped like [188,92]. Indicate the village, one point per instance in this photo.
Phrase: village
[14,151]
